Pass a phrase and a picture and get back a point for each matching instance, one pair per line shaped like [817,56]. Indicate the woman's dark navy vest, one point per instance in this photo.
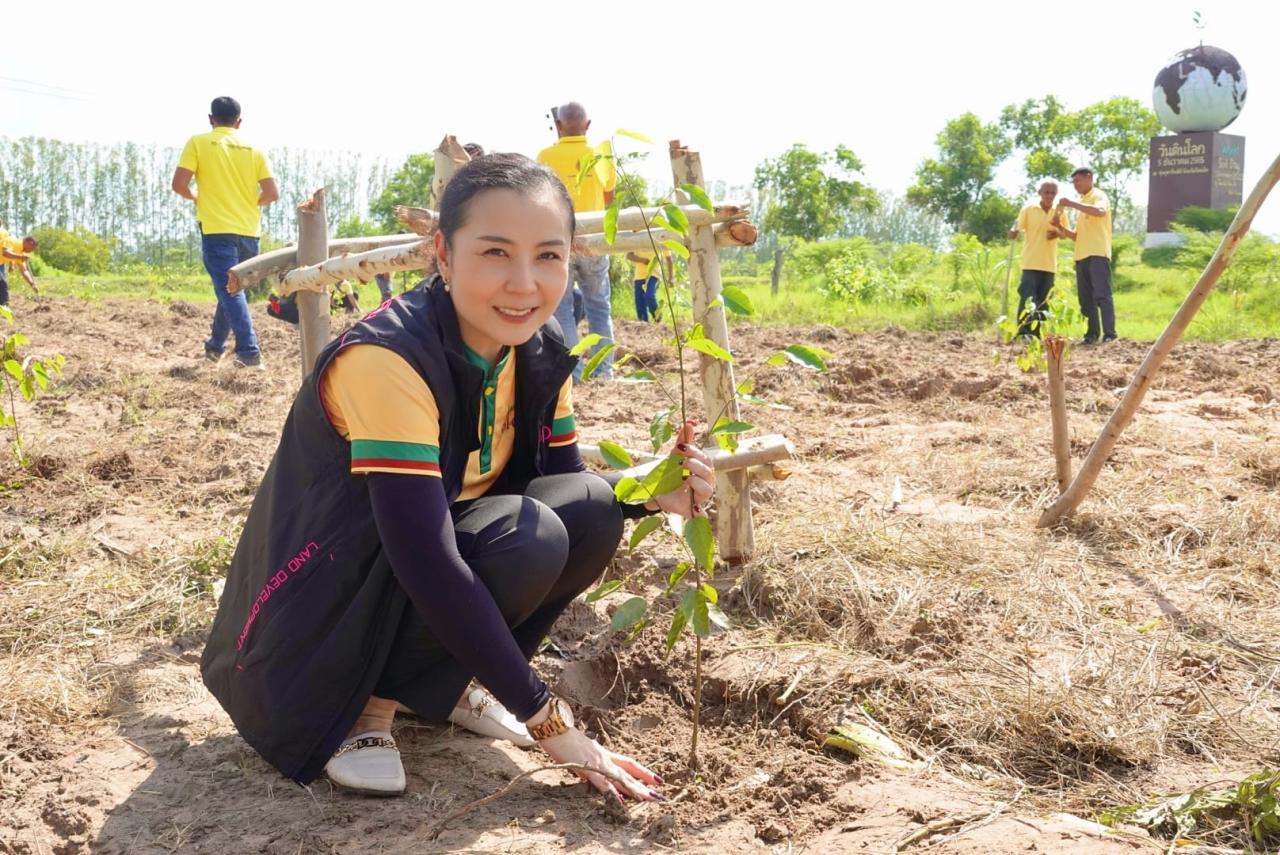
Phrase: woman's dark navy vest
[310,607]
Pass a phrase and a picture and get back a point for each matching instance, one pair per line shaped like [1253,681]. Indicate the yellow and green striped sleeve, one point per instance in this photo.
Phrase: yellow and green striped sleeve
[564,430]
[380,404]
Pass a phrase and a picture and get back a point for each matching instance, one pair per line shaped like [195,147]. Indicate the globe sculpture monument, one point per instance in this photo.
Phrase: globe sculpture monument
[1198,93]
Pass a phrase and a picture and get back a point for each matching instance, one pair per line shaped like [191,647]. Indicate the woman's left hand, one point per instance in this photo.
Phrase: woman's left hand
[692,497]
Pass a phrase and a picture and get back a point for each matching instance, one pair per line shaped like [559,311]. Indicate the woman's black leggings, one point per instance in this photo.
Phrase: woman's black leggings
[535,552]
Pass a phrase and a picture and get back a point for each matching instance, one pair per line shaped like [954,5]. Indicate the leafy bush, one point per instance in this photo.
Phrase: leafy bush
[1206,219]
[79,251]
[1256,262]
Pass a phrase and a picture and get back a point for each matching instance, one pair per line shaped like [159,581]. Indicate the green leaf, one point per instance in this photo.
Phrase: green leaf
[701,540]
[596,358]
[12,366]
[710,593]
[660,429]
[725,425]
[635,135]
[710,348]
[698,196]
[6,313]
[676,575]
[678,621]
[616,456]
[727,441]
[657,221]
[777,360]
[678,219]
[737,301]
[676,247]
[27,388]
[604,590]
[642,376]
[808,356]
[643,529]
[585,343]
[701,618]
[611,223]
[626,489]
[665,477]
[629,613]
[746,387]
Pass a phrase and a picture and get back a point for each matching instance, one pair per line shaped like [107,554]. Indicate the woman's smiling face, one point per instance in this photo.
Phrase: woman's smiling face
[507,267]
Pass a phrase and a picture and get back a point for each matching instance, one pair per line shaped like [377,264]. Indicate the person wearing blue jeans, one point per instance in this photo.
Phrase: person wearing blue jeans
[234,182]
[591,273]
[221,253]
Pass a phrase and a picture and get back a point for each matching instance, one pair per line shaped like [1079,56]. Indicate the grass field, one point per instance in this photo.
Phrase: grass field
[1145,296]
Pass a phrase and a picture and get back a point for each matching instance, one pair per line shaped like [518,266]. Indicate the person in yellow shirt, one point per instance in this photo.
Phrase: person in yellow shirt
[646,280]
[234,181]
[591,190]
[1092,255]
[1037,222]
[14,253]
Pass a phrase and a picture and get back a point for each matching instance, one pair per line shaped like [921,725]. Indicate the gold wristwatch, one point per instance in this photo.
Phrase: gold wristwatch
[559,720]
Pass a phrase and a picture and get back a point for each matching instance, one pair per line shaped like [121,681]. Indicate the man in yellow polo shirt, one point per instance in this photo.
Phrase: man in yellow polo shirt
[14,254]
[233,181]
[1037,223]
[591,190]
[1092,256]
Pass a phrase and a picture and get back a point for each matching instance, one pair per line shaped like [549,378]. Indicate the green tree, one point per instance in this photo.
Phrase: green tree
[951,184]
[1115,136]
[409,185]
[1041,130]
[1112,136]
[356,226]
[811,195]
[77,251]
[991,217]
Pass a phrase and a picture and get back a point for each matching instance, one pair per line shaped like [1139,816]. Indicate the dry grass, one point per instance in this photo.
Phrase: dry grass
[1132,650]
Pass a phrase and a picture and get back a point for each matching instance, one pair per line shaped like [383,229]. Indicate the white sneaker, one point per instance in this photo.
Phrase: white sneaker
[485,716]
[368,763]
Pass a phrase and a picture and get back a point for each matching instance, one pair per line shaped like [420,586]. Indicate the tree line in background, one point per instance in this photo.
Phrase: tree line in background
[813,196]
[93,204]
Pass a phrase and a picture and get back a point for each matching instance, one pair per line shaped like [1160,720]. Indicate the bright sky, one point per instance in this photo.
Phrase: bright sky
[738,81]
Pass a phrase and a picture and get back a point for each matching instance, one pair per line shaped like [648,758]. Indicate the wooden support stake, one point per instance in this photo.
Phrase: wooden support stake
[733,520]
[1053,347]
[362,266]
[449,157]
[758,451]
[1124,412]
[736,233]
[278,262]
[313,307]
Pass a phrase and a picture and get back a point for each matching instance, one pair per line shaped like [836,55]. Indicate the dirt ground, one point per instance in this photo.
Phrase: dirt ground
[1034,677]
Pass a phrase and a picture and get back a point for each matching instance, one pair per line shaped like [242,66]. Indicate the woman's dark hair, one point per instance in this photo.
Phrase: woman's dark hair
[500,171]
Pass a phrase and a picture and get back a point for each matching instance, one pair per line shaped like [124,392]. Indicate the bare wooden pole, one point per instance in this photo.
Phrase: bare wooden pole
[313,306]
[1124,412]
[449,157]
[1053,348]
[736,233]
[734,530]
[278,262]
[362,266]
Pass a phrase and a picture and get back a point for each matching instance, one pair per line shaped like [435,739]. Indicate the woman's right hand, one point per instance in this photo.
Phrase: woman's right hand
[629,777]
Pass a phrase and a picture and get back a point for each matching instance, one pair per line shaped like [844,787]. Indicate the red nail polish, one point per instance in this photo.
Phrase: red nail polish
[658,779]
